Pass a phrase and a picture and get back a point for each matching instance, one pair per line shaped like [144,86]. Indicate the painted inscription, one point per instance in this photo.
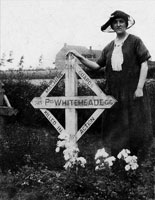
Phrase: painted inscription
[86,78]
[86,126]
[73,102]
[53,120]
[88,123]
[53,83]
[89,82]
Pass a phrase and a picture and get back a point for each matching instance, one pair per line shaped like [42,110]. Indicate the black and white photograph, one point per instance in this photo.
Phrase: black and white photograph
[77,100]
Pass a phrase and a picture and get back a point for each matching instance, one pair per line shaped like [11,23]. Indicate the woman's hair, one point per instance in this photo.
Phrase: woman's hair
[125,18]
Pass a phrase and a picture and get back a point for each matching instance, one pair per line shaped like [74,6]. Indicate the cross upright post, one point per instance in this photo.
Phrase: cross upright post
[71,122]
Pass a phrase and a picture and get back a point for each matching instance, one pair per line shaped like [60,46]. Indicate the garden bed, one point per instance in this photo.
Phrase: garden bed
[33,170]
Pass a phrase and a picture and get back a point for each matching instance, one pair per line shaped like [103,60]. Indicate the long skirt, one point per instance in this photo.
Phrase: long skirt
[128,124]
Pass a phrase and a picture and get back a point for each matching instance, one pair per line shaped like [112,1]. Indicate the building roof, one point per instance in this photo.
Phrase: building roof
[80,49]
[86,52]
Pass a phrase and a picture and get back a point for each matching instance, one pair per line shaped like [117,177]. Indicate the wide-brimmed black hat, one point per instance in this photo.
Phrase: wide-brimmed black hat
[117,14]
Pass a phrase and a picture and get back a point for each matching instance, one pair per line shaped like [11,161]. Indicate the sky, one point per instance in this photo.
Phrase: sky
[41,27]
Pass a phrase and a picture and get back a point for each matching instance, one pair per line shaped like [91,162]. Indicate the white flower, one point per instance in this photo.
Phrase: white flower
[57,149]
[68,165]
[101,153]
[82,161]
[63,136]
[134,166]
[123,154]
[97,168]
[102,166]
[66,151]
[98,161]
[131,159]
[71,145]
[128,159]
[70,152]
[67,156]
[110,160]
[132,162]
[134,158]
[61,143]
[127,167]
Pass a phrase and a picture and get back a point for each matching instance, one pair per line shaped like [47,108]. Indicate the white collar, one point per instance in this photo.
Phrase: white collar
[119,42]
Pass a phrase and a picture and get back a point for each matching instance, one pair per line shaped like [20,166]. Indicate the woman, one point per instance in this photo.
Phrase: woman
[128,123]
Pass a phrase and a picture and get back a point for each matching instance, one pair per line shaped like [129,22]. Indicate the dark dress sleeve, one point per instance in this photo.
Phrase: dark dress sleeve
[141,51]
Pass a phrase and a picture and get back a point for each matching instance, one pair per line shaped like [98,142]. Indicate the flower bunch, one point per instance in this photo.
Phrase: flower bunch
[102,159]
[131,161]
[123,154]
[70,152]
[70,156]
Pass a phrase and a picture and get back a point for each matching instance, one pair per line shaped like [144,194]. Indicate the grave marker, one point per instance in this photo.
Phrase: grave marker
[71,102]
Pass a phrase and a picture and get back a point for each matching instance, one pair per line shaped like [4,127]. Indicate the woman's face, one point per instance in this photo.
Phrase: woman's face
[119,25]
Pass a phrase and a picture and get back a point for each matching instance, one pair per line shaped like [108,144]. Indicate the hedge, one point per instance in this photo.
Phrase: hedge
[21,92]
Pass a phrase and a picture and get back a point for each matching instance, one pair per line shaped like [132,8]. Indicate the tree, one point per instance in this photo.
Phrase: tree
[40,61]
[21,63]
[3,60]
[10,59]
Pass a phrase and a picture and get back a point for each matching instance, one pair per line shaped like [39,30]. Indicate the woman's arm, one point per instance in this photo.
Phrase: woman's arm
[142,79]
[88,63]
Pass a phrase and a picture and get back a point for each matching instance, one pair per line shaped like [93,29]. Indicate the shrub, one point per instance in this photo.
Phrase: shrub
[21,92]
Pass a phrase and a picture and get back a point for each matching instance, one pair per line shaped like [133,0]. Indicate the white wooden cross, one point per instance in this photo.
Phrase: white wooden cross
[71,102]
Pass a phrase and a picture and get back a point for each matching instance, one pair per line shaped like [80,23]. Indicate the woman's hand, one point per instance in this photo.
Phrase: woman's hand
[88,63]
[74,52]
[138,93]
[143,74]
